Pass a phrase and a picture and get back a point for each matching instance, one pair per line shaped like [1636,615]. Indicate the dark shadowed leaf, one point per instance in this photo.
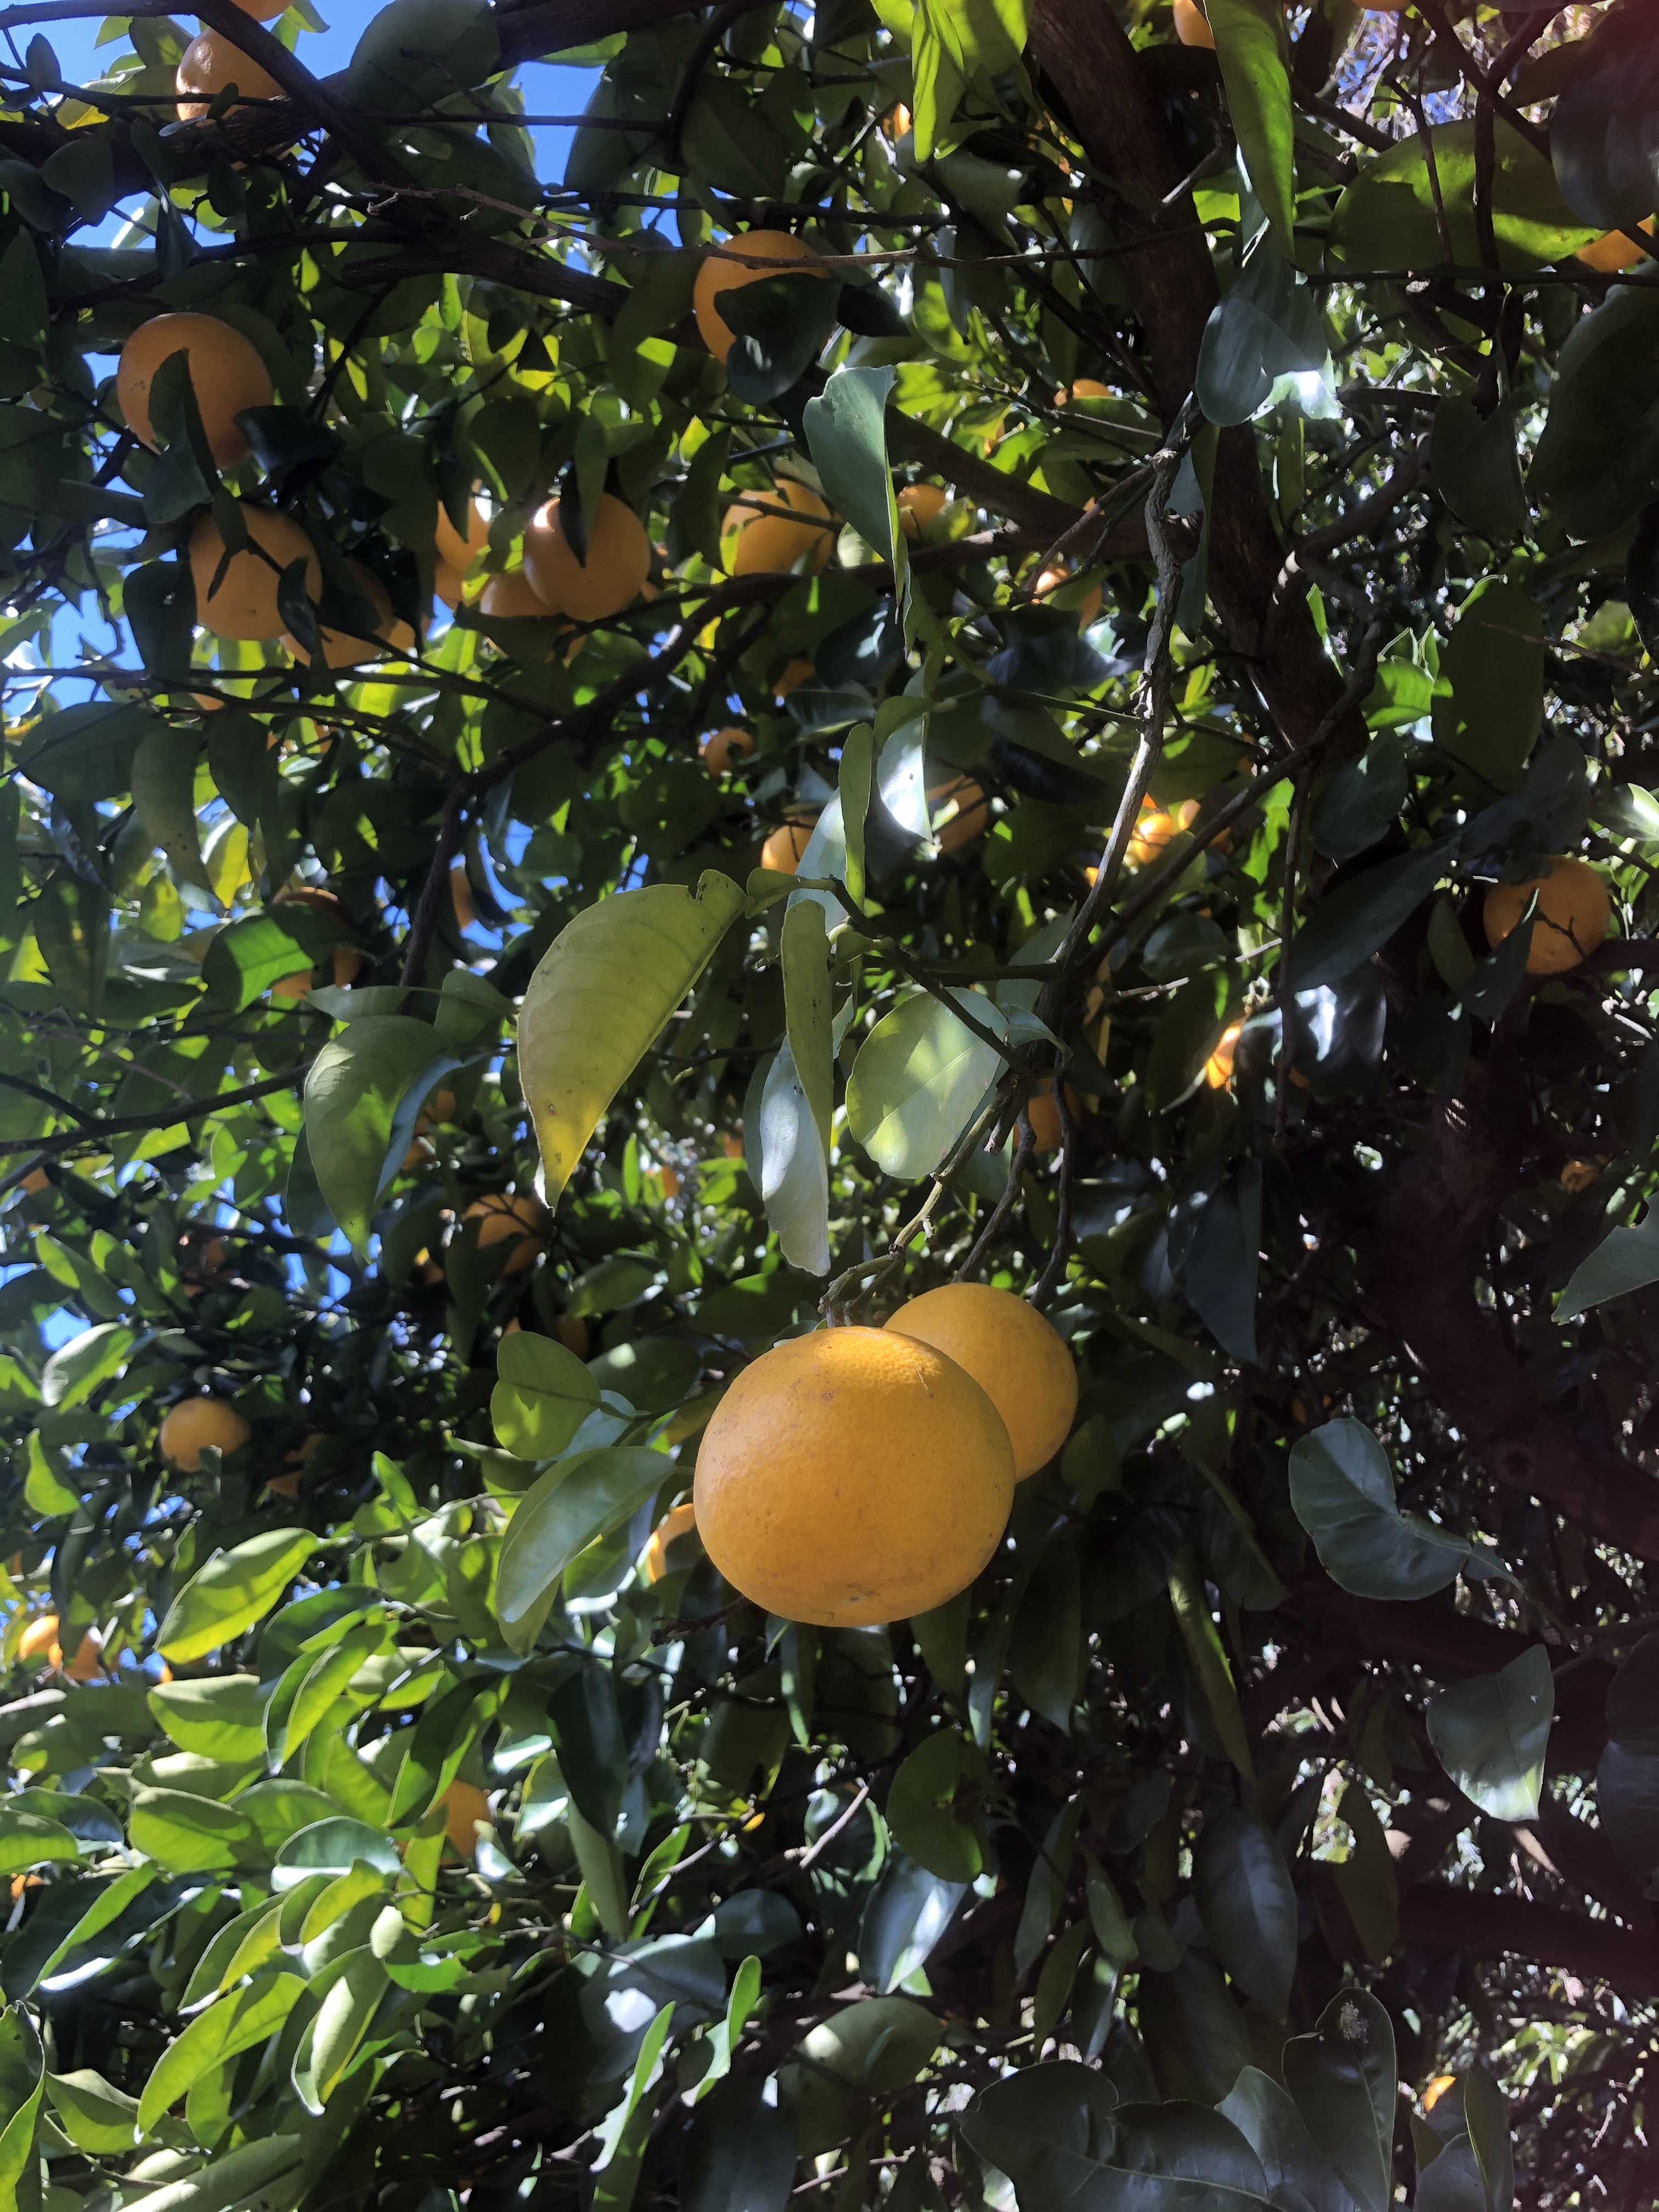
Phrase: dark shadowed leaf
[1492,1733]
[1342,2079]
[1248,1902]
[1342,1491]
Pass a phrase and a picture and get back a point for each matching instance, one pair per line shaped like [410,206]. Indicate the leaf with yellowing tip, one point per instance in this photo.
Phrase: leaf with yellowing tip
[601,997]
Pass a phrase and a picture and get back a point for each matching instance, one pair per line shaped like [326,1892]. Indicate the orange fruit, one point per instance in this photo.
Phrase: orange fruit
[227,372]
[1578,1175]
[35,1182]
[1091,388]
[453,550]
[198,1425]
[798,672]
[460,896]
[853,1476]
[669,1176]
[721,747]
[341,649]
[717,275]
[517,1221]
[286,1485]
[510,597]
[88,1664]
[1573,913]
[439,1109]
[678,1521]
[1155,828]
[1015,1354]
[210,63]
[613,574]
[466,1805]
[263,11]
[1219,1067]
[1613,251]
[1051,579]
[244,604]
[732,1144]
[972,817]
[572,1332]
[783,850]
[769,543]
[39,1639]
[1192,25]
[918,504]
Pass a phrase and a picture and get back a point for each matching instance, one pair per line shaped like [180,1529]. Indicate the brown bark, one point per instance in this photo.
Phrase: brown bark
[1095,81]
[1438,1915]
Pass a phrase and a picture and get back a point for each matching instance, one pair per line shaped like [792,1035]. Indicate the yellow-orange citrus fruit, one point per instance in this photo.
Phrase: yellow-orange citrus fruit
[465,1805]
[88,1664]
[263,11]
[852,1476]
[1155,828]
[572,1332]
[244,604]
[669,1176]
[199,1425]
[1219,1067]
[798,672]
[210,63]
[1437,2089]
[612,576]
[461,897]
[783,850]
[439,1109]
[721,747]
[972,817]
[1192,25]
[717,275]
[1573,913]
[732,1144]
[1051,581]
[769,544]
[1613,251]
[227,373]
[39,1639]
[1578,1175]
[286,1485]
[517,1222]
[35,1182]
[1043,1114]
[1088,388]
[453,550]
[511,597]
[918,505]
[1015,1354]
[341,649]
[678,1521]
[896,123]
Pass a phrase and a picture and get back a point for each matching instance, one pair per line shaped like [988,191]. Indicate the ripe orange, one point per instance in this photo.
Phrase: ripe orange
[263,11]
[798,672]
[769,543]
[1015,1354]
[517,1221]
[972,817]
[453,550]
[439,1109]
[35,1182]
[918,504]
[1052,579]
[286,1485]
[510,597]
[1192,25]
[244,604]
[853,1476]
[341,649]
[1219,1067]
[678,1521]
[717,275]
[40,1638]
[197,1425]
[1155,828]
[1043,1114]
[466,1805]
[572,1332]
[227,373]
[1573,913]
[1613,251]
[783,850]
[210,63]
[720,748]
[1091,388]
[611,578]
[669,1176]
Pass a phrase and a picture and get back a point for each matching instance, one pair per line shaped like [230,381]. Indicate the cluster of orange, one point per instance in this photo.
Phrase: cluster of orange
[858,1475]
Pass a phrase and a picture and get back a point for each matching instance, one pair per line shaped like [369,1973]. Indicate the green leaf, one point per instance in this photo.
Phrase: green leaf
[923,1808]
[226,2184]
[22,2082]
[1354,808]
[847,430]
[740,2153]
[1267,325]
[1199,1632]
[164,793]
[233,2024]
[1342,1492]
[1223,1259]
[1599,127]
[1625,1260]
[1385,219]
[1247,1901]
[790,1161]
[1492,1734]
[918,1076]
[158,599]
[1365,1880]
[1489,702]
[1597,461]
[1477,471]
[219,1716]
[246,957]
[855,783]
[96,2117]
[574,1502]
[1351,922]
[416,52]
[75,1369]
[27,1839]
[234,1589]
[778,323]
[186,1834]
[1194,2031]
[362,1094]
[342,2020]
[1342,2079]
[806,997]
[542,1397]
[1296,2173]
[72,926]
[953,43]
[602,996]
[1253,47]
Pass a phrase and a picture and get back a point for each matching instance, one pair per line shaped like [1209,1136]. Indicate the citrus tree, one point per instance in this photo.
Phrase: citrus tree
[826,1094]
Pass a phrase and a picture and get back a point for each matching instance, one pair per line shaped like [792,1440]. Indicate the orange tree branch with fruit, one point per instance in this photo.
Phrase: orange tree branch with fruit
[827,1089]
